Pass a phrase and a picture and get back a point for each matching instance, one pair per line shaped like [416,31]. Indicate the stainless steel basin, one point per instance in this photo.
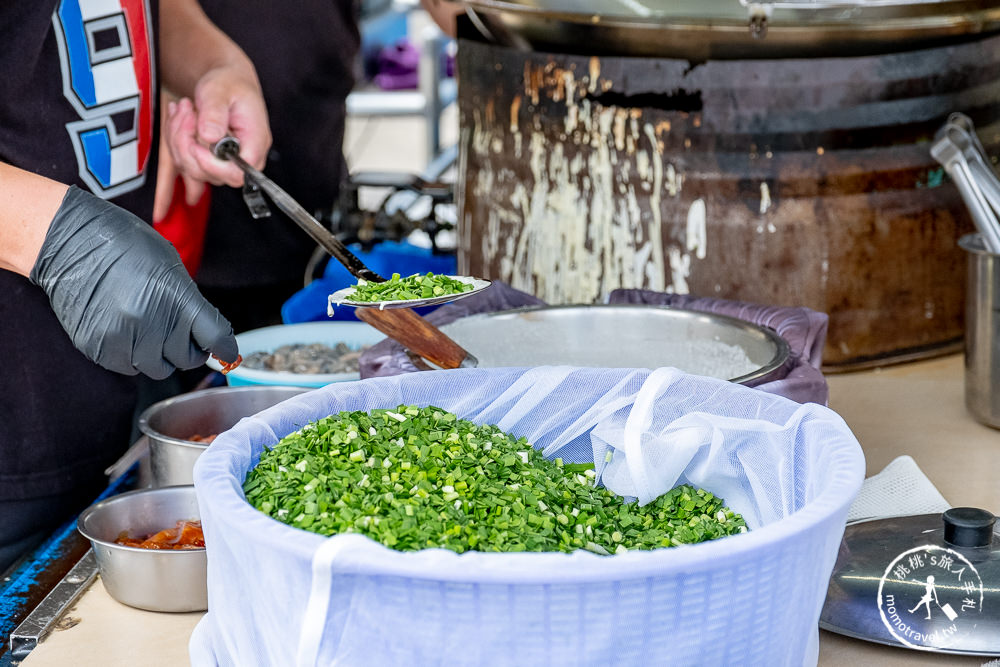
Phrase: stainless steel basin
[623,336]
[171,423]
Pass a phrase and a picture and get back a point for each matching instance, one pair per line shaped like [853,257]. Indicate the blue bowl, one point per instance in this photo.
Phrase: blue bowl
[268,339]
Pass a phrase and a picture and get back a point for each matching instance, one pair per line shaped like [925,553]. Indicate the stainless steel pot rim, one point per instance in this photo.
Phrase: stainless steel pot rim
[782,349]
[723,15]
[734,29]
[81,522]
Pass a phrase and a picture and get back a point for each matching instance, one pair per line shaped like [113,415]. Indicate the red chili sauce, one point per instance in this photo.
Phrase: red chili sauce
[186,535]
[228,366]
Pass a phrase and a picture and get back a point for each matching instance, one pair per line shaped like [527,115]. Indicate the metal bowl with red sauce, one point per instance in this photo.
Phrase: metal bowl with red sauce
[155,571]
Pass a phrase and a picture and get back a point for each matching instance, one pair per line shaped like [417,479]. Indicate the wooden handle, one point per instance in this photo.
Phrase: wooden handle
[418,335]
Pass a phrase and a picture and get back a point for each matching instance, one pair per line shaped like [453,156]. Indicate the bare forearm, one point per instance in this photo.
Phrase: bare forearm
[191,45]
[28,203]
[219,94]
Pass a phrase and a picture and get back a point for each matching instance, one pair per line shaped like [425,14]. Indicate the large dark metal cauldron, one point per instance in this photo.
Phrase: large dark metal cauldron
[786,182]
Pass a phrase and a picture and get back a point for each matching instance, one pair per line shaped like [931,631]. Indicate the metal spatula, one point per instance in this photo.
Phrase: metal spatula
[229,149]
[399,323]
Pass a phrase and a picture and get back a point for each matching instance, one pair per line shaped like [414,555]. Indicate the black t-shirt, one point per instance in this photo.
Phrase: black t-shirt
[305,54]
[78,94]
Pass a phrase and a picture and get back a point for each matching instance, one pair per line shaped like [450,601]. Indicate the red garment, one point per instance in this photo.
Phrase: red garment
[184,225]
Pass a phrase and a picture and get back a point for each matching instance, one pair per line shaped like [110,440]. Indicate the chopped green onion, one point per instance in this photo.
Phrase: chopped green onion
[417,286]
[421,478]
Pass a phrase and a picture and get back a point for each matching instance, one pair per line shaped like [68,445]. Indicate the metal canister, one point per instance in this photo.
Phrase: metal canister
[982,331]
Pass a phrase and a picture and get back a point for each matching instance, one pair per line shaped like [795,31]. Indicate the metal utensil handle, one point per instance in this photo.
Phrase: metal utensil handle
[979,162]
[228,148]
[982,213]
[957,151]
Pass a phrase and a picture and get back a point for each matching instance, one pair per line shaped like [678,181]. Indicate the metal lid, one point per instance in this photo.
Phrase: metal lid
[905,582]
[719,29]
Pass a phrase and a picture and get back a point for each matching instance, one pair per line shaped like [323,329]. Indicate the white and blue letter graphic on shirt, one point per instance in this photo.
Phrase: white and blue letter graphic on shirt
[106,54]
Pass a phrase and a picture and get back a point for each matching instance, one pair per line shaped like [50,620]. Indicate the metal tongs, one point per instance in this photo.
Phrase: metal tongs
[399,323]
[960,152]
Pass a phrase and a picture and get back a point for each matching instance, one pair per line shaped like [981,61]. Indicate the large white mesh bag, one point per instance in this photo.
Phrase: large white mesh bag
[282,596]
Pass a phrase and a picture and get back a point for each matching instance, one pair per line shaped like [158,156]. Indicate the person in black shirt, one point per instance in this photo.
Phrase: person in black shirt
[90,296]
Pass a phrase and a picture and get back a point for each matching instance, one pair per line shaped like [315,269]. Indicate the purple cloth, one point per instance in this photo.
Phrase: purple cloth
[803,329]
[398,67]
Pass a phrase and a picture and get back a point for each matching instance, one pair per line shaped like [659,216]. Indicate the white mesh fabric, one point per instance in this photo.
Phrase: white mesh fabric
[743,452]
[751,599]
[901,489]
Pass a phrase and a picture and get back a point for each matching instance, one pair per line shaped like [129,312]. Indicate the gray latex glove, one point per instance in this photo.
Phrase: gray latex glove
[122,294]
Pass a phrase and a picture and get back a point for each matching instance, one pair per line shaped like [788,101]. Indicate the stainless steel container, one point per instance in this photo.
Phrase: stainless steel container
[623,336]
[157,580]
[982,331]
[171,423]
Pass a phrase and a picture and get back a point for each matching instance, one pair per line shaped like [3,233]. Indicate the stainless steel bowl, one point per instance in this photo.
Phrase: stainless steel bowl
[170,423]
[623,336]
[157,580]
